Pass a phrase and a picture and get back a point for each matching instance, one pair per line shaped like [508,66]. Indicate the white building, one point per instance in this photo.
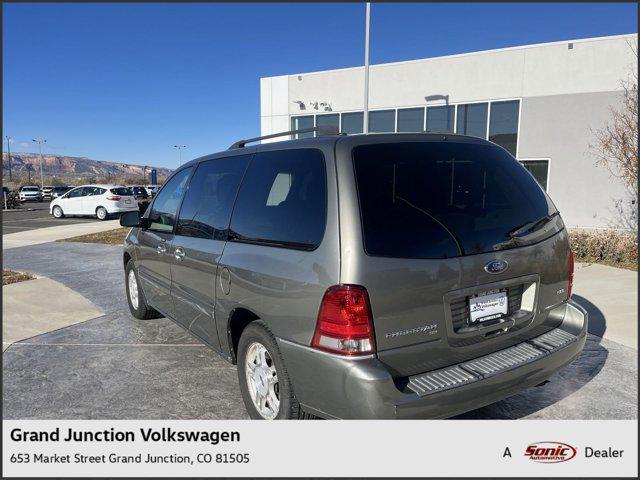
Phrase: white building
[541,102]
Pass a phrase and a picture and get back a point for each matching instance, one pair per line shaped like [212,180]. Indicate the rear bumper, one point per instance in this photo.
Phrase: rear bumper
[118,209]
[332,386]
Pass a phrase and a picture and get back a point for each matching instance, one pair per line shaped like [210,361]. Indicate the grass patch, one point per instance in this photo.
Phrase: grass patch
[9,277]
[109,237]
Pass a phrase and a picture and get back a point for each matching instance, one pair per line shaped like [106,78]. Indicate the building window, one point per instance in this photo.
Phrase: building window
[503,124]
[299,123]
[382,121]
[440,119]
[410,119]
[352,122]
[539,169]
[472,119]
[328,120]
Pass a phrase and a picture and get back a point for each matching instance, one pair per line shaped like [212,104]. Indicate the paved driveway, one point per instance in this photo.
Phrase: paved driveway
[116,367]
[32,215]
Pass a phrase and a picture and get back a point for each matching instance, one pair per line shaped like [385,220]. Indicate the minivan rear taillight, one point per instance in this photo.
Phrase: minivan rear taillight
[571,266]
[115,198]
[345,323]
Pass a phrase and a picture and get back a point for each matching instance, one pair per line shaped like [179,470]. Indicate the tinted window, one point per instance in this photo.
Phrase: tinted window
[76,192]
[282,200]
[503,126]
[163,212]
[411,120]
[299,123]
[352,122]
[472,119]
[539,169]
[207,205]
[331,120]
[382,121]
[440,200]
[440,119]
[124,191]
[93,191]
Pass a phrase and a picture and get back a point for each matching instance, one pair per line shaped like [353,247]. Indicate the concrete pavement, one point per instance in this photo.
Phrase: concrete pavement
[115,366]
[42,305]
[610,296]
[32,215]
[52,234]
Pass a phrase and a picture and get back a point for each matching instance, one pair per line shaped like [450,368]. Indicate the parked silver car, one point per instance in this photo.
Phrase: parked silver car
[364,276]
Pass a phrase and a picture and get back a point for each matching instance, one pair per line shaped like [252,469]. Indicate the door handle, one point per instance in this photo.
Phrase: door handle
[179,253]
[162,248]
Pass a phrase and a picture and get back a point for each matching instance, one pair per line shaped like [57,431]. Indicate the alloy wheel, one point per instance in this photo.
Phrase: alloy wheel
[133,289]
[262,380]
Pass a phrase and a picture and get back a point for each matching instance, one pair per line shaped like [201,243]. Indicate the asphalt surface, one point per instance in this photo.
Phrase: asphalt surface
[117,367]
[32,215]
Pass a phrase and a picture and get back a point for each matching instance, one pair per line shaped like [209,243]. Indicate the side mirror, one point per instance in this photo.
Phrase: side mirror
[133,219]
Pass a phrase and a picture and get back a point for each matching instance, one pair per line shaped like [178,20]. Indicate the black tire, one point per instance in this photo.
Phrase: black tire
[57,208]
[101,213]
[143,311]
[289,407]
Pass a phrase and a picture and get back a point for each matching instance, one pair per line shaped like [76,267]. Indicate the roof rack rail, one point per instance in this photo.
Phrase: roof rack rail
[323,130]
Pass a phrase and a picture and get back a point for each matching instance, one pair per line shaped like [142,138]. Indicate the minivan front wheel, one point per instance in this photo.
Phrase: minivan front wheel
[135,296]
[264,382]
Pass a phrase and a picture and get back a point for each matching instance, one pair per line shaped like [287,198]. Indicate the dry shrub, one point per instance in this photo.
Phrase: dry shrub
[605,246]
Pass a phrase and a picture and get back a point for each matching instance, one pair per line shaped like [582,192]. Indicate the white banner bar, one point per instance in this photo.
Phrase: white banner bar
[161,448]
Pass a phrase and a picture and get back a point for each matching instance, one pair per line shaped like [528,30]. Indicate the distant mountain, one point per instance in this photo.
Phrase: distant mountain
[60,165]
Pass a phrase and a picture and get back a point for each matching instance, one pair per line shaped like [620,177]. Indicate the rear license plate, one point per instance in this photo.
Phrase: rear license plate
[127,201]
[487,306]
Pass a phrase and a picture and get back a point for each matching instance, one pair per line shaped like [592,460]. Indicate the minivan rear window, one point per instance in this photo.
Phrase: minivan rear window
[447,199]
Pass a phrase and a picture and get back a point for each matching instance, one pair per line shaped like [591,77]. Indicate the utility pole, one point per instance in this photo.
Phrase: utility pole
[366,69]
[9,154]
[40,141]
[180,147]
[29,168]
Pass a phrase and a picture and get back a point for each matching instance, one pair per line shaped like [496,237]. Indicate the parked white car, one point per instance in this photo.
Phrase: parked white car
[94,200]
[30,192]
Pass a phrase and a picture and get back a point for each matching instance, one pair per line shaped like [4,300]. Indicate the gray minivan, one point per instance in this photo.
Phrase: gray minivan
[364,276]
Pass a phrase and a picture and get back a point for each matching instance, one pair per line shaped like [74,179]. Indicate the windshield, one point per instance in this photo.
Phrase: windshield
[60,189]
[446,199]
[121,191]
[30,189]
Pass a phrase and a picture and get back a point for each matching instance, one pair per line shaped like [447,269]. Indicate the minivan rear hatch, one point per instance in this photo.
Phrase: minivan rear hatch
[462,252]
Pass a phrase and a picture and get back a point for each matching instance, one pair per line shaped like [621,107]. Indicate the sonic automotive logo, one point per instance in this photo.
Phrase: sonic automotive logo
[550,452]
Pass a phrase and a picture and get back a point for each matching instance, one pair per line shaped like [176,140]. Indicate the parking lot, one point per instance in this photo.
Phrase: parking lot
[32,215]
[113,366]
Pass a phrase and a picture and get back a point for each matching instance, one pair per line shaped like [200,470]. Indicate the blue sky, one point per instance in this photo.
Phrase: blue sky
[125,82]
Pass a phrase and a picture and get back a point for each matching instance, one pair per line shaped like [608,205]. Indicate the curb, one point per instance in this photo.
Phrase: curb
[18,210]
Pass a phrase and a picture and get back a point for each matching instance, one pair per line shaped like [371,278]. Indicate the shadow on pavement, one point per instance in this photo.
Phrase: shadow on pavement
[597,321]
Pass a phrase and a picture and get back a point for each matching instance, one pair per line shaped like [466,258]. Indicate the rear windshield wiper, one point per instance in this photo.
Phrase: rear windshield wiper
[531,226]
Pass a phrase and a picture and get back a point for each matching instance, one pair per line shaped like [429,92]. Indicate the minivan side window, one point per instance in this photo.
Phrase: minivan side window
[282,200]
[206,209]
[165,206]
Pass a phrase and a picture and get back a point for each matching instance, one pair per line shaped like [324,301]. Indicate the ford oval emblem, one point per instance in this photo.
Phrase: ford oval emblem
[496,266]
